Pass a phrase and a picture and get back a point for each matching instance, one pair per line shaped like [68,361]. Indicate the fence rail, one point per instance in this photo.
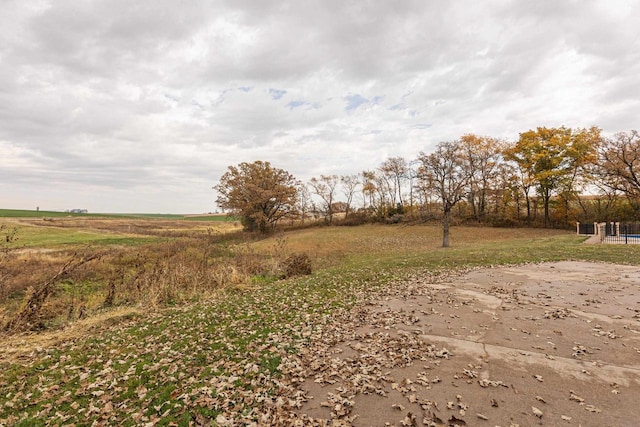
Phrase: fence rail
[627,233]
[588,228]
[622,233]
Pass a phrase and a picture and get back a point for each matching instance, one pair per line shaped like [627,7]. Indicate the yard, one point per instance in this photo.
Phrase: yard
[389,327]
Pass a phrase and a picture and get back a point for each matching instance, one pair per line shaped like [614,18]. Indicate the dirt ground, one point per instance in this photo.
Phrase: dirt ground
[554,344]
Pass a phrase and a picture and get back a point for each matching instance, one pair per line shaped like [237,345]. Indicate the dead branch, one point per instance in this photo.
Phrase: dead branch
[28,316]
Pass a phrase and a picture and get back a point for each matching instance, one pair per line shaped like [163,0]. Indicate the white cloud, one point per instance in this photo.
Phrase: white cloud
[141,106]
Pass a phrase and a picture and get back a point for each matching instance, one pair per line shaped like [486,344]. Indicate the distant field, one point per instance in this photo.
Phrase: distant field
[31,237]
[53,231]
[210,218]
[19,213]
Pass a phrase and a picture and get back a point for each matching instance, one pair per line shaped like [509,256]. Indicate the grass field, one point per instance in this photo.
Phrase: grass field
[97,230]
[228,358]
[20,213]
[30,237]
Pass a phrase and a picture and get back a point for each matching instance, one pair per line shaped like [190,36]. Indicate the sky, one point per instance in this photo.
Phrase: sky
[140,106]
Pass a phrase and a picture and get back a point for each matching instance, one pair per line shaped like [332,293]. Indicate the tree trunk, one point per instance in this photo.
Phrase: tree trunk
[472,202]
[545,200]
[446,221]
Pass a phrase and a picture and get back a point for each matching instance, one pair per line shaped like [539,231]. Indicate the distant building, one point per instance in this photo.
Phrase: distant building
[79,211]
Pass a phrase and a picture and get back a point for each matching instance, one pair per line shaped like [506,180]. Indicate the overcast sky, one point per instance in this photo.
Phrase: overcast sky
[140,106]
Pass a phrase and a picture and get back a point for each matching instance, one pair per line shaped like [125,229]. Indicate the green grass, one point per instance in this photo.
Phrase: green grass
[20,213]
[193,361]
[47,237]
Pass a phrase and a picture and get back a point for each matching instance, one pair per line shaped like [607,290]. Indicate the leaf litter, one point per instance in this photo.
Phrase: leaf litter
[245,360]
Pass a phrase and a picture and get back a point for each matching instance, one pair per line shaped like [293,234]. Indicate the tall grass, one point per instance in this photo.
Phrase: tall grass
[195,264]
[163,273]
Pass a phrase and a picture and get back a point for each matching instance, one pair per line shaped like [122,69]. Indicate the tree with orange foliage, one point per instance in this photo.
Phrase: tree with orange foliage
[551,158]
[483,157]
[259,193]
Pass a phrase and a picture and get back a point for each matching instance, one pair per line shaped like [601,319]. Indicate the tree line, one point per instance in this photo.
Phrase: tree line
[549,177]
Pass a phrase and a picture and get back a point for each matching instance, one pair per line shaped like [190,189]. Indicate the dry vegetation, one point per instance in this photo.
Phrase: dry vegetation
[51,285]
[57,271]
[199,329]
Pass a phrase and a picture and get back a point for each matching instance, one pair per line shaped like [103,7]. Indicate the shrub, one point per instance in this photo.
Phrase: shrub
[297,265]
[396,218]
[356,218]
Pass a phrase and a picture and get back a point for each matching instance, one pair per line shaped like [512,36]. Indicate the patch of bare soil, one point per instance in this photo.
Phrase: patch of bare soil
[551,344]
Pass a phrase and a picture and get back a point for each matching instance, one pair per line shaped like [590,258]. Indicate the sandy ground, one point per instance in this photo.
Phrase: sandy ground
[554,344]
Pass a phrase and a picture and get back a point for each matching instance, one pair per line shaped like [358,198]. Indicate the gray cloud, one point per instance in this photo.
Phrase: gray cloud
[141,106]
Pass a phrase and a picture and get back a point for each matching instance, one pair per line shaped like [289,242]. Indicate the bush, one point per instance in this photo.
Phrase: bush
[396,218]
[355,218]
[297,265]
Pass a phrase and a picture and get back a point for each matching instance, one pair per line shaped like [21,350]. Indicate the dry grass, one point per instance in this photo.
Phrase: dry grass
[197,260]
[334,243]
[37,292]
[24,345]
[53,232]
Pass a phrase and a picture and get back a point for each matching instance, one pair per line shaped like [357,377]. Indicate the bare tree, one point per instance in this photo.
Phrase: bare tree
[303,201]
[618,166]
[384,193]
[368,188]
[412,174]
[395,172]
[350,184]
[445,170]
[325,187]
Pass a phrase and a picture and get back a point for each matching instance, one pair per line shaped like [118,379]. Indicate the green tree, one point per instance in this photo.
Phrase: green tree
[259,193]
